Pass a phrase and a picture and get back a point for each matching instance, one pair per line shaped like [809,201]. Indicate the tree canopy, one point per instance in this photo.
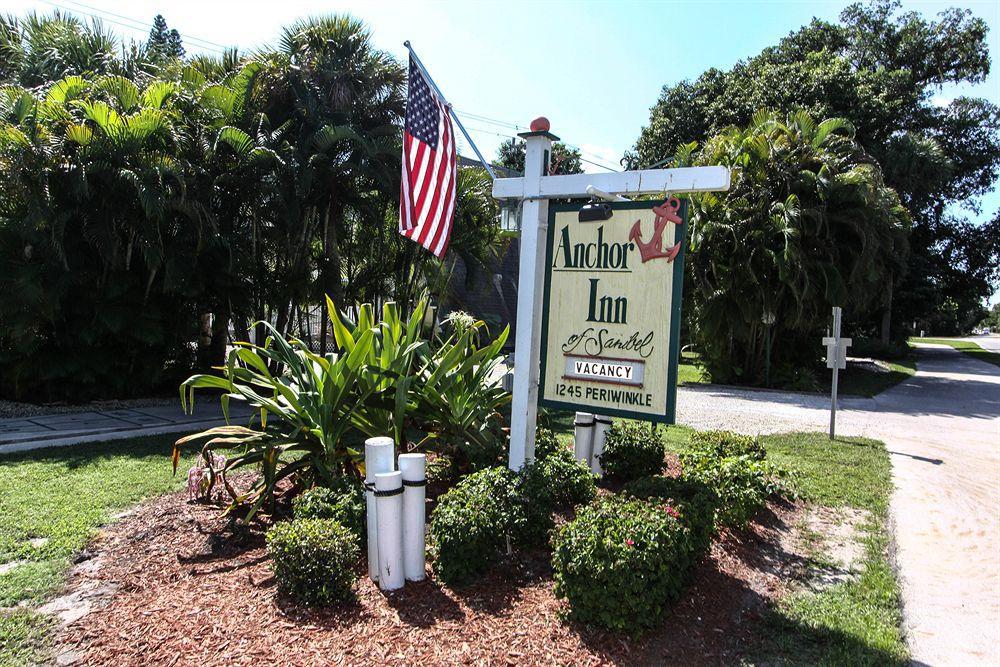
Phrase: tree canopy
[808,222]
[878,68]
[148,201]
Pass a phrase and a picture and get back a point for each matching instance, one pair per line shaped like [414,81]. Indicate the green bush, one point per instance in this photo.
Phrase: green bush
[559,481]
[727,443]
[475,522]
[314,560]
[631,451]
[546,443]
[621,561]
[695,501]
[736,470]
[344,503]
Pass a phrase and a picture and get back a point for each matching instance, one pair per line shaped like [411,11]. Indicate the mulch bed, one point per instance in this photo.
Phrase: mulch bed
[191,591]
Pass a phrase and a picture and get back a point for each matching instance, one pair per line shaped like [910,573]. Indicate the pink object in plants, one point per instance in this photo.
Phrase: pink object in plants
[195,476]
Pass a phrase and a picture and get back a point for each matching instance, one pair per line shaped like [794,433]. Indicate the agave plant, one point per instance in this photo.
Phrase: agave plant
[306,411]
[387,378]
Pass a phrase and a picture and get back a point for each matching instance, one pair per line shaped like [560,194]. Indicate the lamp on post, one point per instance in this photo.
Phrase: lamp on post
[768,319]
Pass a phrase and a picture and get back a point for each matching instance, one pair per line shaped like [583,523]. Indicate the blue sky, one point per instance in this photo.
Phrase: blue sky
[593,68]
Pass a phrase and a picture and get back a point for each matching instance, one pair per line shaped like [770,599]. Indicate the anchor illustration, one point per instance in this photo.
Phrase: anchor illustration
[669,211]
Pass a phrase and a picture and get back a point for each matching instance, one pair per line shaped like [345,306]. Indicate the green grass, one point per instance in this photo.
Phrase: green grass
[688,370]
[852,623]
[60,497]
[966,346]
[855,381]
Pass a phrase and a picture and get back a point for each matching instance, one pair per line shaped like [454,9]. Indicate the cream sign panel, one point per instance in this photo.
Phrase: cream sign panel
[612,308]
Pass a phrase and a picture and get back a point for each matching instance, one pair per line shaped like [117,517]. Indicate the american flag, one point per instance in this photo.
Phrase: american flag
[427,195]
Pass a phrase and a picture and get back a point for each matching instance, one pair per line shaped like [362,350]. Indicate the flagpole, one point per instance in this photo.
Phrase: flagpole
[437,90]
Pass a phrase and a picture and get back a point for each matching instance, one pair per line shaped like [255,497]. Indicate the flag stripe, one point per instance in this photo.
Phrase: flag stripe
[429,168]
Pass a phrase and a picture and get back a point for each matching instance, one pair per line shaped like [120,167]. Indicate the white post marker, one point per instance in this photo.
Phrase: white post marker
[601,426]
[836,359]
[389,498]
[413,468]
[378,459]
[583,436]
[535,188]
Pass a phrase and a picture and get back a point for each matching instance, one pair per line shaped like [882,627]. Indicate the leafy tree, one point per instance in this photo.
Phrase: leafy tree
[807,223]
[565,160]
[877,68]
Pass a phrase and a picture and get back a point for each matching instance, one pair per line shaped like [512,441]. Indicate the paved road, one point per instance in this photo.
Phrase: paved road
[942,429]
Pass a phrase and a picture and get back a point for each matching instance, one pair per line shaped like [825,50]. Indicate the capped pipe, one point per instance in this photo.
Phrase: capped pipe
[601,426]
[378,459]
[583,436]
[413,468]
[389,515]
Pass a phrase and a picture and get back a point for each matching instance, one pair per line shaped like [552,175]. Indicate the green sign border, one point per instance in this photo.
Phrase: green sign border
[670,409]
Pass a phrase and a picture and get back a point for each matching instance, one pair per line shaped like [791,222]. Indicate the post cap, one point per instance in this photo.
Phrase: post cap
[540,124]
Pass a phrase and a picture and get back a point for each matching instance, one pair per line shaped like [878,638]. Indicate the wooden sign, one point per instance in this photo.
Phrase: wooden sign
[611,310]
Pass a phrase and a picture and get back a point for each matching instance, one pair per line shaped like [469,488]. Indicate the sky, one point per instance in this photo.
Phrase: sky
[592,68]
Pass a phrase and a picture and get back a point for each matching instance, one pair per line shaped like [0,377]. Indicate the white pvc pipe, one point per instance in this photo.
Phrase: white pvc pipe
[601,426]
[413,467]
[378,459]
[583,436]
[389,499]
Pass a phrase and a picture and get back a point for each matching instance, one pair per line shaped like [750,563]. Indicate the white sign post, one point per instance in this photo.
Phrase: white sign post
[836,358]
[535,188]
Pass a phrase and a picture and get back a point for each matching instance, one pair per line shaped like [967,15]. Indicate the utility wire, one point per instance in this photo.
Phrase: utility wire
[208,45]
[132,24]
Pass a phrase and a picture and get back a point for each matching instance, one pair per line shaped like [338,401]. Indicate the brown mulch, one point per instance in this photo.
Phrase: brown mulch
[191,591]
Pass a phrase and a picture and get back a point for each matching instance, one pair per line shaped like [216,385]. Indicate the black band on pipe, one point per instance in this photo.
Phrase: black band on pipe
[369,486]
[414,482]
[590,423]
[388,492]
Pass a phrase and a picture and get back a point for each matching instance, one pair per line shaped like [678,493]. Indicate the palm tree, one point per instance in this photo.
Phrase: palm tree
[807,224]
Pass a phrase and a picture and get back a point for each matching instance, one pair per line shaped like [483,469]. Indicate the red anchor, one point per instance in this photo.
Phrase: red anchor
[668,211]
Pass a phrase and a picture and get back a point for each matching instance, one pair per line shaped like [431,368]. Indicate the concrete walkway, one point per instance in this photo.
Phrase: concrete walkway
[69,429]
[942,430]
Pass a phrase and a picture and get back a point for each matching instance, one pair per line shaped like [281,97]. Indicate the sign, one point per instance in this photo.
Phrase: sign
[611,310]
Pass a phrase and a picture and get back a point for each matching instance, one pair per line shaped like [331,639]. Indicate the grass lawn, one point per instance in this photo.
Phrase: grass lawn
[688,370]
[852,382]
[853,623]
[966,346]
[855,381]
[53,502]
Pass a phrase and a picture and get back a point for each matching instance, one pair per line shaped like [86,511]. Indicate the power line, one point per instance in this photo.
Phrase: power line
[138,25]
[190,38]
[133,24]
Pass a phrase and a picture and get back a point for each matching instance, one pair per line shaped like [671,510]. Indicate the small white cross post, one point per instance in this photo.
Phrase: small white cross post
[836,358]
[535,188]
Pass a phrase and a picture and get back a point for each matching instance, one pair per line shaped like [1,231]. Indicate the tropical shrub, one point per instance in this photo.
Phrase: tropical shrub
[441,388]
[695,501]
[314,560]
[315,410]
[735,468]
[558,481]
[631,450]
[344,503]
[807,223]
[620,562]
[475,522]
[727,443]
